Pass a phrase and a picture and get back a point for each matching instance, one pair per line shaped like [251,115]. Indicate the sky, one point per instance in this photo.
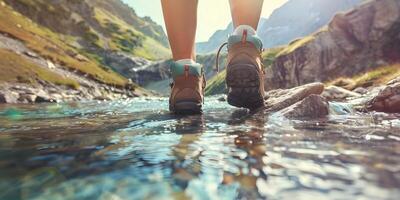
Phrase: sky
[212,14]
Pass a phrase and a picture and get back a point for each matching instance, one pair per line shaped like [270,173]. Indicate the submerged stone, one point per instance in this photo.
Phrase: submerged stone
[314,106]
[387,100]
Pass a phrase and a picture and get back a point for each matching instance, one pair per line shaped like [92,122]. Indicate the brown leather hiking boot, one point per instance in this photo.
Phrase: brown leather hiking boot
[245,72]
[187,93]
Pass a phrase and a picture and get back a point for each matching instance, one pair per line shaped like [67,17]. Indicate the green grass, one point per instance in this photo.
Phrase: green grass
[378,76]
[126,38]
[217,84]
[295,45]
[52,47]
[15,68]
[269,55]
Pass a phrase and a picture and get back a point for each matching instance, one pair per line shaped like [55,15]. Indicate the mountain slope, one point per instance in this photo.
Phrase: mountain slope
[98,25]
[359,48]
[56,49]
[294,19]
[299,18]
[360,40]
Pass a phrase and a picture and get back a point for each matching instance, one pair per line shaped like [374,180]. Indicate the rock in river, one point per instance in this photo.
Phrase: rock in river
[314,106]
[387,100]
[280,99]
[334,93]
[8,97]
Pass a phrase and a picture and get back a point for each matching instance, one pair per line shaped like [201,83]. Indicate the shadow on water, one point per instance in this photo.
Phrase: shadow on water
[136,149]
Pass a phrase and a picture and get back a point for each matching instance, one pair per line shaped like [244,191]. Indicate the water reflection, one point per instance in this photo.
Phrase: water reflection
[137,150]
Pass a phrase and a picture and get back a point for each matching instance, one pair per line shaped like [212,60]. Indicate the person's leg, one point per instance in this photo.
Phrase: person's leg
[187,92]
[246,12]
[181,21]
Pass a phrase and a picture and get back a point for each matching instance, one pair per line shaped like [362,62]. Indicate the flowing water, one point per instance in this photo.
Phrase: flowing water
[136,150]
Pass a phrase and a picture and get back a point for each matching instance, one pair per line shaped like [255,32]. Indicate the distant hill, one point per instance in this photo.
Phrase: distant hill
[68,47]
[299,18]
[98,25]
[294,19]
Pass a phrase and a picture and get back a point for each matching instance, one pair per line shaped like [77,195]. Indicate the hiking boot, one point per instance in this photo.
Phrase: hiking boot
[187,89]
[245,71]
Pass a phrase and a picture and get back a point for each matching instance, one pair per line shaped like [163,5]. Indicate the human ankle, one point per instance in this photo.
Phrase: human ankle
[241,28]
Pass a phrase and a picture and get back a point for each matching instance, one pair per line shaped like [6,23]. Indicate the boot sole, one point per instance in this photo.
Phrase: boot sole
[243,83]
[187,108]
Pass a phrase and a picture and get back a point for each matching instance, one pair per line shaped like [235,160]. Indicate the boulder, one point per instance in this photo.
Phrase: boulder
[387,100]
[280,99]
[28,98]
[7,96]
[361,90]
[334,93]
[313,106]
[43,99]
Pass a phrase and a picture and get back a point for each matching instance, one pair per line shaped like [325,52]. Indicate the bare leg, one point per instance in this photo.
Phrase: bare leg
[181,22]
[246,12]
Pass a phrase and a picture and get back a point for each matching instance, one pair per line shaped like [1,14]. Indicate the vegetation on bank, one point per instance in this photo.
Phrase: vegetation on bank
[217,84]
[16,69]
[52,46]
[124,37]
[378,76]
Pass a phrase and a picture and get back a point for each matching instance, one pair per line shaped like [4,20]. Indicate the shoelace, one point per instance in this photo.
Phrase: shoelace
[218,54]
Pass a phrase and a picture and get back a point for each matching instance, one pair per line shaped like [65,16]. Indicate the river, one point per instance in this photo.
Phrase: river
[135,149]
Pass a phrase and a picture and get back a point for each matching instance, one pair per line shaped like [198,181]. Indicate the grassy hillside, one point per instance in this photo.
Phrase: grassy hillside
[76,34]
[124,37]
[378,76]
[52,46]
[17,69]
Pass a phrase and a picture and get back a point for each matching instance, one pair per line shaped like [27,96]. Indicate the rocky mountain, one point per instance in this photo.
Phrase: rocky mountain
[353,43]
[299,18]
[67,49]
[294,19]
[358,49]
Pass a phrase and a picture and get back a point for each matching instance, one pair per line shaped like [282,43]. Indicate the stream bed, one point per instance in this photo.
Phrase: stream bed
[135,149]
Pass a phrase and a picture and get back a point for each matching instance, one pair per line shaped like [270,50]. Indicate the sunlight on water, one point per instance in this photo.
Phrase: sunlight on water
[136,150]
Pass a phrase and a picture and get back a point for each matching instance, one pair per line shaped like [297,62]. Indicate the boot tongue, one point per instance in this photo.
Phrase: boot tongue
[178,69]
[253,39]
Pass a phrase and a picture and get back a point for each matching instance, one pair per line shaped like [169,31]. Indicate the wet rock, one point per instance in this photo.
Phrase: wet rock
[280,99]
[8,97]
[334,93]
[314,106]
[394,81]
[361,90]
[103,98]
[222,98]
[29,98]
[43,99]
[387,100]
